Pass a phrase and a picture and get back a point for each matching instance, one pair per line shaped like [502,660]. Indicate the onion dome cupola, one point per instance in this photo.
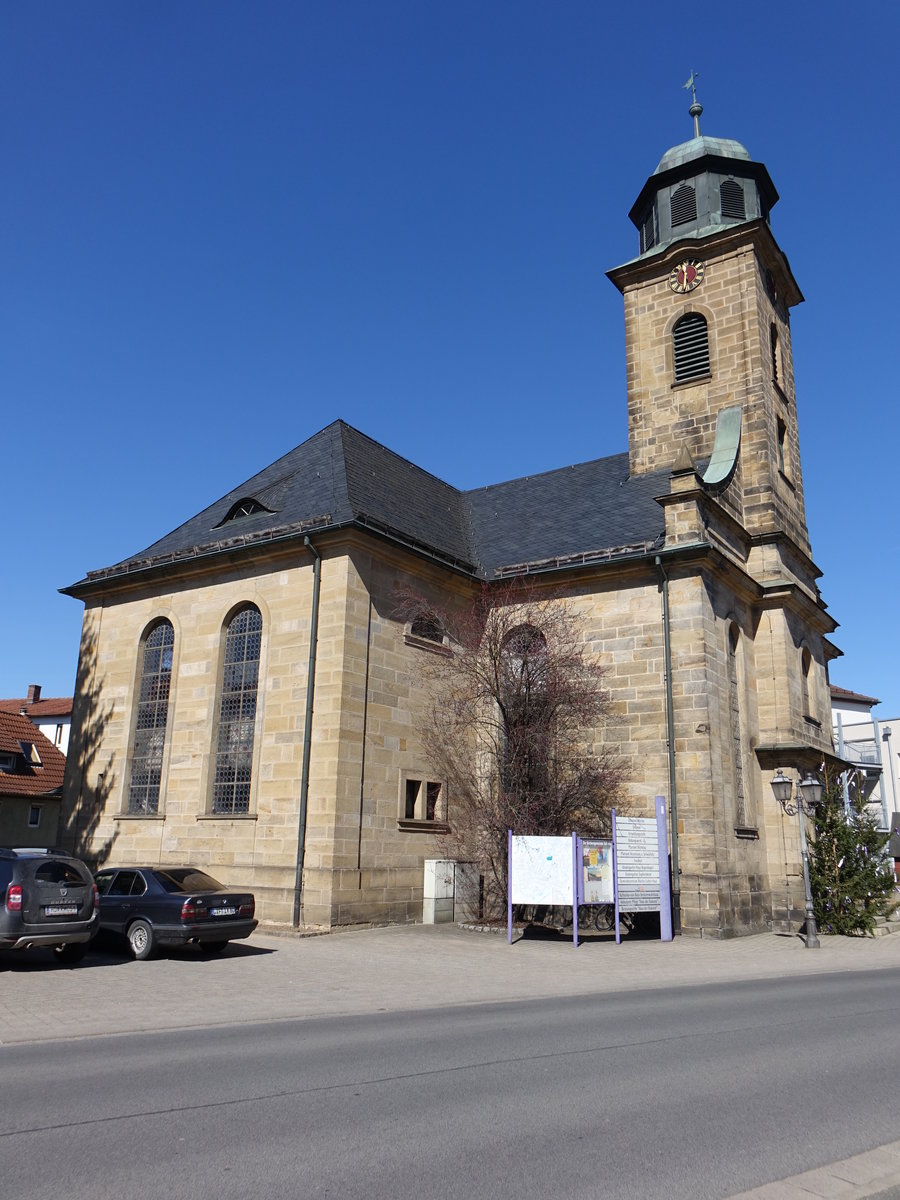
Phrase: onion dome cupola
[699,188]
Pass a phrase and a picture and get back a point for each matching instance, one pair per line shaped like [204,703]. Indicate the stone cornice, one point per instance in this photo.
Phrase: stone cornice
[757,233]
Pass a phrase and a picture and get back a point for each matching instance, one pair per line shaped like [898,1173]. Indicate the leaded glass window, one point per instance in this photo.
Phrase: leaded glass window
[152,714]
[237,713]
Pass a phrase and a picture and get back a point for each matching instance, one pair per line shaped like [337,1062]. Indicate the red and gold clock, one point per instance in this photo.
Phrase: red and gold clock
[686,276]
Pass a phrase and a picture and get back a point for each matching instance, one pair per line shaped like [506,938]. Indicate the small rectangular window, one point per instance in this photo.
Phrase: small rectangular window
[422,801]
[413,788]
[432,798]
[57,740]
[34,816]
[782,443]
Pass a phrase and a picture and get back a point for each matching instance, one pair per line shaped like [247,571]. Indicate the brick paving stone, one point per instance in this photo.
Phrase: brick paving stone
[396,968]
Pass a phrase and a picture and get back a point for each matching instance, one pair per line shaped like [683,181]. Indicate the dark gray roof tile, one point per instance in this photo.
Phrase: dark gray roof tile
[340,476]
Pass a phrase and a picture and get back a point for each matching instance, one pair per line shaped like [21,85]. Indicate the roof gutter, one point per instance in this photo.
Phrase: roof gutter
[307,730]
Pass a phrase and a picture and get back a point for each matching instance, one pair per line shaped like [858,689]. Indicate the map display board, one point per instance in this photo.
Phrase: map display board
[541,870]
[596,871]
[637,864]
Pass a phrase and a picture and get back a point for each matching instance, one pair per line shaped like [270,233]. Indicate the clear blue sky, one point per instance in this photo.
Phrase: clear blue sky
[225,224]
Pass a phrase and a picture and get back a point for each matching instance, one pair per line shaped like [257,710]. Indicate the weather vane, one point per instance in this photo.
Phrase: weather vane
[696,108]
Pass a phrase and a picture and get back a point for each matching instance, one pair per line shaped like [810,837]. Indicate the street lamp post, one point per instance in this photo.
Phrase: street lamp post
[809,793]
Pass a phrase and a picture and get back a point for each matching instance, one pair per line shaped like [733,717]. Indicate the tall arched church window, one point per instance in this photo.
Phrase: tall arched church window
[690,347]
[148,742]
[684,205]
[237,713]
[737,733]
[731,200]
[524,699]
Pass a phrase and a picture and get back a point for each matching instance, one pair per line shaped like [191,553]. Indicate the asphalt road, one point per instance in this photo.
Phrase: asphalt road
[677,1093]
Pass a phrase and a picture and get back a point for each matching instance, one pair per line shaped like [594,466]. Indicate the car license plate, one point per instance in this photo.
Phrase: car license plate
[222,912]
[60,910]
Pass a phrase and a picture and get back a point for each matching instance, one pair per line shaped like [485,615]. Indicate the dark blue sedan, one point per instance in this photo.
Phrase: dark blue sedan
[172,906]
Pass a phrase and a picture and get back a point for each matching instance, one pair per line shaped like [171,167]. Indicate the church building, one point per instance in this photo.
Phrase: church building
[247,695]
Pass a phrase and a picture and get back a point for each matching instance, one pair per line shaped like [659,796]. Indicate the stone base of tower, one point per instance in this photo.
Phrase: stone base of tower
[715,906]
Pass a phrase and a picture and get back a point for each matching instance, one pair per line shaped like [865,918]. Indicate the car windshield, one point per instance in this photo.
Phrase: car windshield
[187,879]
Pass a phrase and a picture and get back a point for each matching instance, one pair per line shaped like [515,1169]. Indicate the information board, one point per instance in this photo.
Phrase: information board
[541,870]
[596,871]
[637,864]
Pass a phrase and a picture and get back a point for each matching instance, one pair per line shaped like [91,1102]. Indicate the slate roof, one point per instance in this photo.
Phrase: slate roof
[28,779]
[341,477]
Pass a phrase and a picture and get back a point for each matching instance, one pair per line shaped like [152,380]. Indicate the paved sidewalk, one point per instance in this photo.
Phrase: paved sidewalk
[412,967]
[391,969]
[871,1176]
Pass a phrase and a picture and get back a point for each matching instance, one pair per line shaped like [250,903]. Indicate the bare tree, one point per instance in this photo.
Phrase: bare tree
[514,724]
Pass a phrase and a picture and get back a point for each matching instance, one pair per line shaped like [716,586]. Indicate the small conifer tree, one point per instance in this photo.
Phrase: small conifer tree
[851,878]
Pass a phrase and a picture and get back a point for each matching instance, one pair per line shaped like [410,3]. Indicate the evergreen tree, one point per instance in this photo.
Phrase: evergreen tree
[851,878]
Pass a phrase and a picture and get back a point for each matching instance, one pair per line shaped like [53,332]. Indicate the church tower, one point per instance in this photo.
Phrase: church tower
[712,418]
[707,328]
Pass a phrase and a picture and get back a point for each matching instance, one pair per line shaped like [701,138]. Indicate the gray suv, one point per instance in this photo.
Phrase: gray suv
[47,898]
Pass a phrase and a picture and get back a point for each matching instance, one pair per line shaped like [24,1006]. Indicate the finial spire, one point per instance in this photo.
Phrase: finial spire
[696,108]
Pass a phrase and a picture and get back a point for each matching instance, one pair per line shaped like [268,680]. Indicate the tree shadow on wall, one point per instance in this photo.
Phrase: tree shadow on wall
[86,791]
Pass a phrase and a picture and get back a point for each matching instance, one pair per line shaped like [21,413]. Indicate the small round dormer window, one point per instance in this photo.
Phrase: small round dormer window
[247,507]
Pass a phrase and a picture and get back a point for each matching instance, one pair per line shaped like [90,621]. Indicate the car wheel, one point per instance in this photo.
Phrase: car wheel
[140,939]
[68,954]
[213,947]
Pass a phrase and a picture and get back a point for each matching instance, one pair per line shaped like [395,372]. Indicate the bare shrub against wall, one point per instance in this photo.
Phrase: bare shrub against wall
[514,723]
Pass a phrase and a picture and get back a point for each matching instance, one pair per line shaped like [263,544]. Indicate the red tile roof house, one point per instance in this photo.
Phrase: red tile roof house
[52,715]
[31,777]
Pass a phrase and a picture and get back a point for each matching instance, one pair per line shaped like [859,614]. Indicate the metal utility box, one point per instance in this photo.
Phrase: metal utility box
[452,891]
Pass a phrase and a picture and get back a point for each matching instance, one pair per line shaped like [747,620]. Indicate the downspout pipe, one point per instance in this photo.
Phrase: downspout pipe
[670,742]
[307,728]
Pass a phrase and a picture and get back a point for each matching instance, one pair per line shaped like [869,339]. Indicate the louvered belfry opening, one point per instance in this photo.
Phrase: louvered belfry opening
[731,198]
[690,340]
[648,231]
[684,205]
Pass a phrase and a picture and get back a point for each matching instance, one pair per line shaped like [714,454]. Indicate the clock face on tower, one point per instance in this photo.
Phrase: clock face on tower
[686,276]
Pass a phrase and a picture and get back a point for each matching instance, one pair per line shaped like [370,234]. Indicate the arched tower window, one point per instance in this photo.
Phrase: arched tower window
[741,808]
[237,712]
[805,668]
[690,346]
[149,738]
[684,205]
[731,200]
[776,353]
